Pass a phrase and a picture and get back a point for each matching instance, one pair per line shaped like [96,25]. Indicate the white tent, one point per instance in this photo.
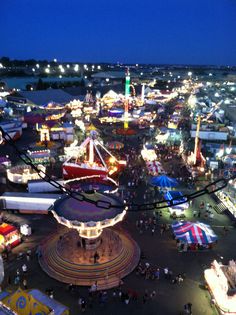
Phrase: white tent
[110,94]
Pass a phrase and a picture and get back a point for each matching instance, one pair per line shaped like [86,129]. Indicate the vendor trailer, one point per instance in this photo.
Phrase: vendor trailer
[27,202]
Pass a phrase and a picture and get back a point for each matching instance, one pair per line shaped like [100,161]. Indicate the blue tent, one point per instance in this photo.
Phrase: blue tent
[163,181]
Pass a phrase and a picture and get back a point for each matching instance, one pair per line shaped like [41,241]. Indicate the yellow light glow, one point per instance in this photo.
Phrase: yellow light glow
[112,160]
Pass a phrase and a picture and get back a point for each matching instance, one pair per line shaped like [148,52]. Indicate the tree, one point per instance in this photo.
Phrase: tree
[5,61]
[82,82]
[40,85]
[28,87]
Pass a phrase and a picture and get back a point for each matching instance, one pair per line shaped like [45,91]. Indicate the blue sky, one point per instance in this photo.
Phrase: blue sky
[150,31]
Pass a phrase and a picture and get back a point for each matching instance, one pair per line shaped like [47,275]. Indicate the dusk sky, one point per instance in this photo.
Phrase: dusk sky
[150,31]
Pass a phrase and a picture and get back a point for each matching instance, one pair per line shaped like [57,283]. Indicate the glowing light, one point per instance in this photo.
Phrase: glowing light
[37,66]
[228,150]
[76,68]
[220,153]
[112,160]
[218,284]
[55,60]
[47,70]
[1,138]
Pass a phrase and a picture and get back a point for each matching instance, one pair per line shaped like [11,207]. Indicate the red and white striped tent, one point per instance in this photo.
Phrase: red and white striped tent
[154,167]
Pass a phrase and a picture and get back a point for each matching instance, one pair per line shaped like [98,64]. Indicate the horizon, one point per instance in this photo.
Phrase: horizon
[118,63]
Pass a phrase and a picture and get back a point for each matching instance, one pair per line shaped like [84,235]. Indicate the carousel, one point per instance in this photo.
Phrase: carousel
[87,249]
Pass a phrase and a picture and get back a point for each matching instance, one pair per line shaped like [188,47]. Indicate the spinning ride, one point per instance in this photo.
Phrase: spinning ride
[86,250]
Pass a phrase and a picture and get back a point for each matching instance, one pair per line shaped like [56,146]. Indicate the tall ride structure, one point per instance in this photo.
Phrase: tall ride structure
[127,94]
[197,149]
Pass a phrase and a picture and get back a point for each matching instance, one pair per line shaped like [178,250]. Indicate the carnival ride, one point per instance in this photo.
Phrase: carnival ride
[21,174]
[87,160]
[86,251]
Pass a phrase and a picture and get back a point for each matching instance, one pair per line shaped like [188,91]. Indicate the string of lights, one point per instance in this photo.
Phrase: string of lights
[211,188]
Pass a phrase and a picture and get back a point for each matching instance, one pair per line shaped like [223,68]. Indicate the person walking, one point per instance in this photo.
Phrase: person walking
[24,269]
[166,272]
[83,306]
[25,284]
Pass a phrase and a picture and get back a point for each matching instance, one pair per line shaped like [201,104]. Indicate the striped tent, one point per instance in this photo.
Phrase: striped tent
[154,167]
[115,145]
[194,232]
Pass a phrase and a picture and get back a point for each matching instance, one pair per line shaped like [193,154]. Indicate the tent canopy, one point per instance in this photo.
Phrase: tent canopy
[115,145]
[23,303]
[163,181]
[194,232]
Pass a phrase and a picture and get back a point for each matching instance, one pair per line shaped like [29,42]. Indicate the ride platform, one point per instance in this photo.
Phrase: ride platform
[65,260]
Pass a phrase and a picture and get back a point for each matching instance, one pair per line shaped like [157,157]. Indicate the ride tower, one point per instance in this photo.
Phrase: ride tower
[127,94]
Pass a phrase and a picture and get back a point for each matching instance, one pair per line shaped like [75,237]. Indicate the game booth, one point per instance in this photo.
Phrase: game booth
[193,236]
[9,236]
[221,282]
[175,209]
[148,153]
[154,168]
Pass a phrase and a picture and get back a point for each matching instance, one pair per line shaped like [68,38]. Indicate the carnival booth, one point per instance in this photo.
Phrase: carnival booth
[176,197]
[115,145]
[154,168]
[116,112]
[9,236]
[5,161]
[148,153]
[21,174]
[39,156]
[193,236]
[221,282]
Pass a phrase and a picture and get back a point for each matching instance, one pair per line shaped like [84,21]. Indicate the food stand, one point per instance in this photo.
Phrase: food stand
[221,282]
[9,236]
[227,201]
[39,156]
[148,153]
[175,197]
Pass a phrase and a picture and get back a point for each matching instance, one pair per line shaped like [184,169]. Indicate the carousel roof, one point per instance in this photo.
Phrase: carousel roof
[83,211]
